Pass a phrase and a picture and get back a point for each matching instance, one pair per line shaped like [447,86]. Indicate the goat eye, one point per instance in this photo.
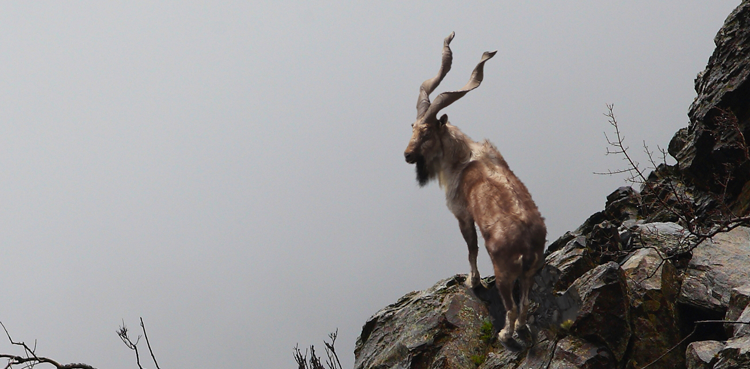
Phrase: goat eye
[412,125]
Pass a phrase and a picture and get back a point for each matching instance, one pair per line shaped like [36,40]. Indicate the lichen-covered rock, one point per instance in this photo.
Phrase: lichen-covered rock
[653,286]
[717,266]
[439,327]
[735,354]
[537,356]
[739,301]
[702,354]
[577,353]
[604,313]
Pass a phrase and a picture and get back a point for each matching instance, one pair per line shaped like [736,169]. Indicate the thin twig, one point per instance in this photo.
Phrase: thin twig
[331,351]
[123,334]
[695,326]
[673,347]
[143,327]
[722,321]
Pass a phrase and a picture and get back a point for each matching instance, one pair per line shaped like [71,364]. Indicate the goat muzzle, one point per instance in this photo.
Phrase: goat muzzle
[410,157]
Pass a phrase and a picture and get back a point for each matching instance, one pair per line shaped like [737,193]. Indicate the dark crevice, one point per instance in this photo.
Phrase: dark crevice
[704,331]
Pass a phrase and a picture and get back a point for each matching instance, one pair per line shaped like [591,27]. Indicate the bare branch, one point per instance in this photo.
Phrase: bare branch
[32,359]
[314,362]
[682,208]
[331,351]
[123,334]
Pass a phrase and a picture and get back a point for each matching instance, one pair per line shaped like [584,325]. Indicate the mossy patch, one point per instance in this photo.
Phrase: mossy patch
[486,331]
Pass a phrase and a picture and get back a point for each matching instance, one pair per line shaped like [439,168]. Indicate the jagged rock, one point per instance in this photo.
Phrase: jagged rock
[605,242]
[559,243]
[739,301]
[722,87]
[604,313]
[742,329]
[717,266]
[501,360]
[574,352]
[678,142]
[551,308]
[439,327]
[727,69]
[702,354]
[589,224]
[653,285]
[537,357]
[572,261]
[604,319]
[735,354]
[623,204]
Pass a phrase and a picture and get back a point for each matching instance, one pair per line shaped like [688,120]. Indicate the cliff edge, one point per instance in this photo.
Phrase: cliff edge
[634,285]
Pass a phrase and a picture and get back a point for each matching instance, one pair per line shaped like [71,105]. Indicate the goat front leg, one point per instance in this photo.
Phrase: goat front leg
[470,235]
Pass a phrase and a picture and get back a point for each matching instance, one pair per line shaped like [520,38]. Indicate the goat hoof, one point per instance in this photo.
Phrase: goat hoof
[510,344]
[474,281]
[524,334]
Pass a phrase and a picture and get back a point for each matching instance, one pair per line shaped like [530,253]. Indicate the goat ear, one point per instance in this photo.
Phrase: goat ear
[443,119]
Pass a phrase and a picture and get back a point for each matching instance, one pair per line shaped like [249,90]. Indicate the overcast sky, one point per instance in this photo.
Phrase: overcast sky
[233,172]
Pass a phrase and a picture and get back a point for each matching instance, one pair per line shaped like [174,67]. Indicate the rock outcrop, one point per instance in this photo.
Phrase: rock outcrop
[714,143]
[634,285]
[437,327]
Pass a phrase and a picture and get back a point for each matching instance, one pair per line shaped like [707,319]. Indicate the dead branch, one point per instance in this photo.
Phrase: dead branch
[123,334]
[682,208]
[331,351]
[314,362]
[31,359]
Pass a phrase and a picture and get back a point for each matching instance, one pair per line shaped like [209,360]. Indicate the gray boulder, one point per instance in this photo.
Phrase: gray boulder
[737,310]
[702,354]
[718,266]
[735,354]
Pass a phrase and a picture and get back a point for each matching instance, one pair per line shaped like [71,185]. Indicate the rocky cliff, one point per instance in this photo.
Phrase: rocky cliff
[641,283]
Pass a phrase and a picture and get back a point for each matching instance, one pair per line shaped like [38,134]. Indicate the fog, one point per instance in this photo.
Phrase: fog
[233,172]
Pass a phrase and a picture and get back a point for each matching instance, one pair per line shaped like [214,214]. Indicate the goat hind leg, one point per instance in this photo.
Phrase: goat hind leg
[522,329]
[525,283]
[505,288]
